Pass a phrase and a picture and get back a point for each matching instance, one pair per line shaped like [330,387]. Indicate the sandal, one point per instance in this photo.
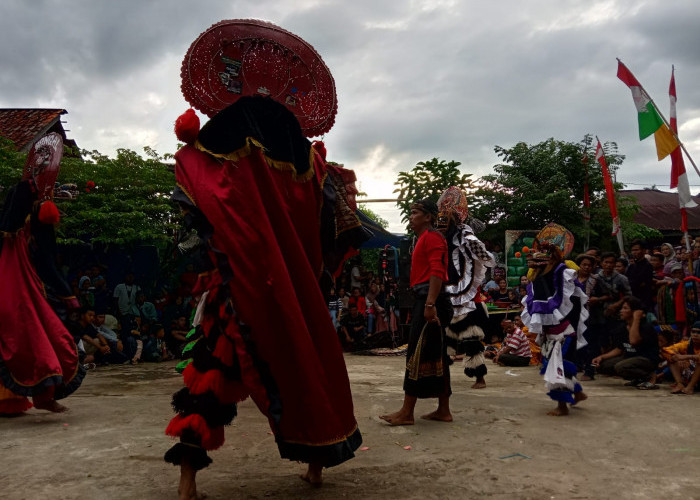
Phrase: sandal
[647,386]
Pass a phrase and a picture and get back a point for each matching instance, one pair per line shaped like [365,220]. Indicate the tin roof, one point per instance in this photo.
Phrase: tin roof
[660,210]
[24,126]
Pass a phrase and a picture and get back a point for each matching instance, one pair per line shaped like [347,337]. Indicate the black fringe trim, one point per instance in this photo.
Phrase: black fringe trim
[471,347]
[477,317]
[479,371]
[468,347]
[215,413]
[194,455]
[327,456]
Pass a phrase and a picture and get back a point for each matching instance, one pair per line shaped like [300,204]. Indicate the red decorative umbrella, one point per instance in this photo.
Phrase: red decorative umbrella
[245,57]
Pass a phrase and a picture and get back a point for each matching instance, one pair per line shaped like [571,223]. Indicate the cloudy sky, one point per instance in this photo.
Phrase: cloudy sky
[416,79]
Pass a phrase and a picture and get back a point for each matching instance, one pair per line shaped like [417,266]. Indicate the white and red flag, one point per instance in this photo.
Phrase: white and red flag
[609,188]
[679,178]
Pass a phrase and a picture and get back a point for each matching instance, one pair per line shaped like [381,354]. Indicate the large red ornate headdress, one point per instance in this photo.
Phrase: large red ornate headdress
[244,57]
[43,164]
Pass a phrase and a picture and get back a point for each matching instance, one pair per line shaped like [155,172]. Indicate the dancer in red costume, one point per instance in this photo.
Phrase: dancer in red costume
[273,220]
[38,356]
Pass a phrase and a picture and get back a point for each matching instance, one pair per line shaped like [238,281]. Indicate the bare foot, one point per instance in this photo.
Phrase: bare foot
[586,378]
[479,384]
[580,396]
[187,490]
[439,416]
[398,418]
[50,405]
[313,475]
[559,411]
[678,389]
[688,390]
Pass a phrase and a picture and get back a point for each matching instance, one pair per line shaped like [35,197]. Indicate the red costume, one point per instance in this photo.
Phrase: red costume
[38,356]
[267,207]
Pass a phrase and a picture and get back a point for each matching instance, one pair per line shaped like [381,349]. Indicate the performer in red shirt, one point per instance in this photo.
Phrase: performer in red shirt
[427,366]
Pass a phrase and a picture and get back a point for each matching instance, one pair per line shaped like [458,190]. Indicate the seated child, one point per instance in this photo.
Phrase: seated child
[515,349]
[684,362]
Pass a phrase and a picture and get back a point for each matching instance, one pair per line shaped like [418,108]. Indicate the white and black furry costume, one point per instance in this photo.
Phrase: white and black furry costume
[467,263]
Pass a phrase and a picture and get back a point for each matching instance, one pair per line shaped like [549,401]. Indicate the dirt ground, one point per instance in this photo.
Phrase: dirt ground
[621,443]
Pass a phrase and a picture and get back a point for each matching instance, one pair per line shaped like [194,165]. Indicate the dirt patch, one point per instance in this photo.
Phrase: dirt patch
[622,443]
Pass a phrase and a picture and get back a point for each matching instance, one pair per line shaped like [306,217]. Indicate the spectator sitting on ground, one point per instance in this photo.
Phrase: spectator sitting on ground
[353,326]
[685,361]
[666,336]
[110,336]
[94,342]
[515,349]
[178,336]
[636,352]
[154,347]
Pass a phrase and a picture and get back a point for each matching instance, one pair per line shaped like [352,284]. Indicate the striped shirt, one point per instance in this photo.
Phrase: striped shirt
[519,344]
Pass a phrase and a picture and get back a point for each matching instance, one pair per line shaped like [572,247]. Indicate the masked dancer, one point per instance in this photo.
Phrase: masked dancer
[466,268]
[274,220]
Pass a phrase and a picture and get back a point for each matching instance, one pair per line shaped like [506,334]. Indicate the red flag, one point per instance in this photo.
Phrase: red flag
[609,189]
[679,178]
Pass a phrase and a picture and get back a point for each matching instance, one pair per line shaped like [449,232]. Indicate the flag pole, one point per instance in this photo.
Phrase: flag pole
[620,242]
[675,135]
[587,209]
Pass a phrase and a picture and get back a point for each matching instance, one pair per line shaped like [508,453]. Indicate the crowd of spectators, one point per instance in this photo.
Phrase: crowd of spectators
[369,311]
[124,325]
[643,317]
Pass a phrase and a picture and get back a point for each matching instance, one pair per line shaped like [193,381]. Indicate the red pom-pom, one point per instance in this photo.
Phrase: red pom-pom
[90,184]
[526,250]
[320,148]
[518,255]
[87,190]
[48,213]
[187,126]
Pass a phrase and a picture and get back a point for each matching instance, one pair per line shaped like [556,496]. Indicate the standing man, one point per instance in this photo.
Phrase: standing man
[427,365]
[125,307]
[640,274]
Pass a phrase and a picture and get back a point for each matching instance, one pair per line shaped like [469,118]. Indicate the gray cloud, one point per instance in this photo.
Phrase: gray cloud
[415,80]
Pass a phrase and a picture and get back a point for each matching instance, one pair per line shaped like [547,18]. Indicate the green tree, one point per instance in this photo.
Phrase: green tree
[371,257]
[383,223]
[11,164]
[542,183]
[428,179]
[129,204]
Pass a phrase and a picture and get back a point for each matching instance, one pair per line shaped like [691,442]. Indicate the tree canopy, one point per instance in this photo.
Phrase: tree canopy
[542,183]
[128,204]
[428,179]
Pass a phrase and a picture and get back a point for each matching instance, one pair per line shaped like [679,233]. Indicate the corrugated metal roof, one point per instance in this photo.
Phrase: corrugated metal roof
[660,210]
[24,125]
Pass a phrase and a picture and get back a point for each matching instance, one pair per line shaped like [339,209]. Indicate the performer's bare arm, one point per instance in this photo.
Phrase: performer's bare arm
[430,312]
